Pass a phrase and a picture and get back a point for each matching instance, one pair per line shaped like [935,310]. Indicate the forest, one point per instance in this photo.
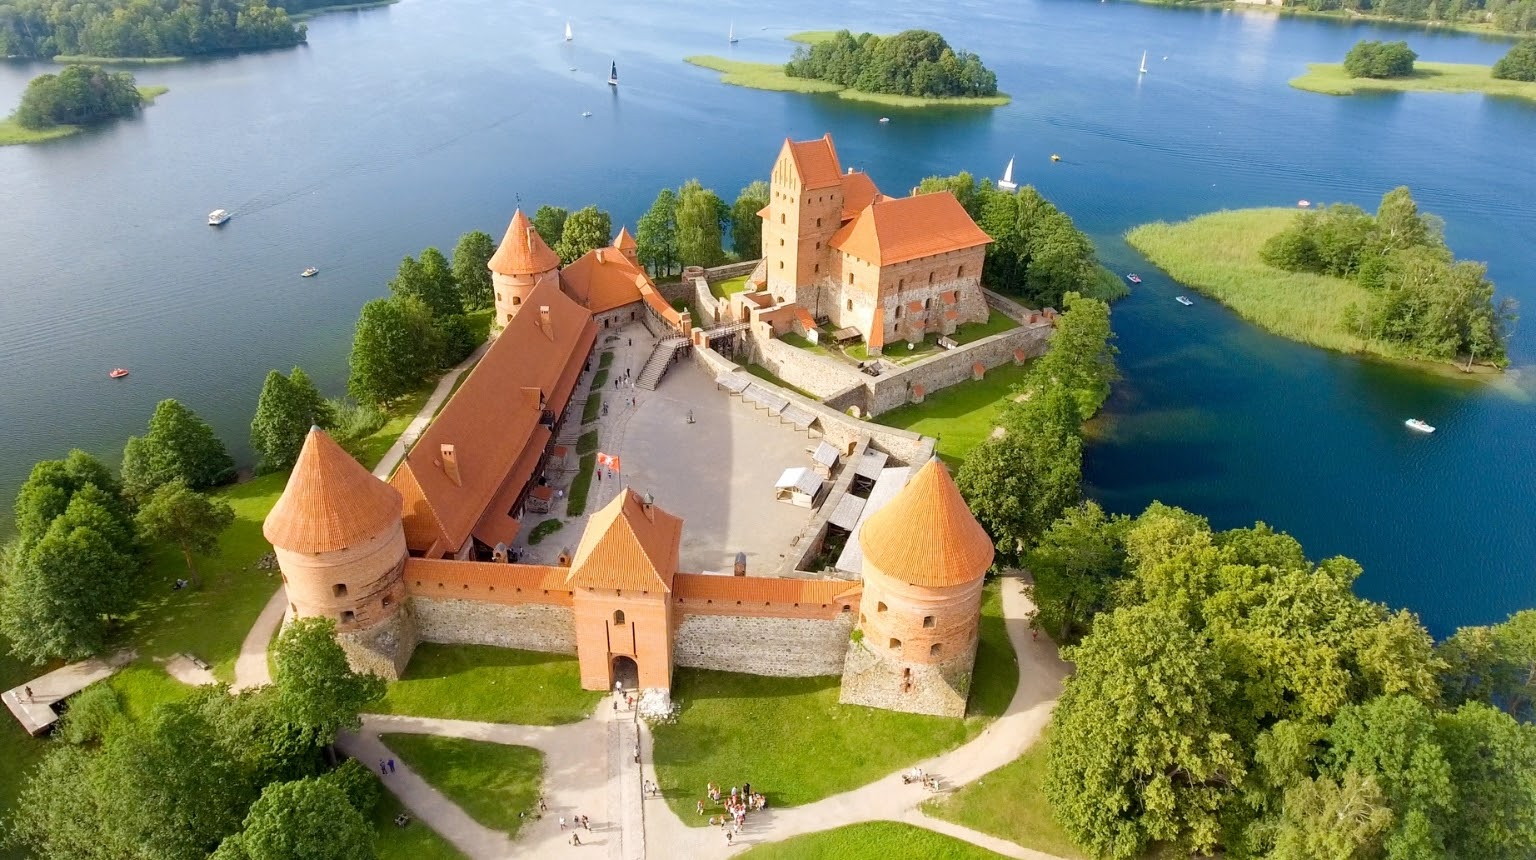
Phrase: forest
[36,29]
[78,95]
[911,63]
[1510,15]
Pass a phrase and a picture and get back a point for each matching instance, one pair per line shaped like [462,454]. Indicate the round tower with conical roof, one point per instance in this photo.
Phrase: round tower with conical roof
[337,534]
[925,558]
[521,261]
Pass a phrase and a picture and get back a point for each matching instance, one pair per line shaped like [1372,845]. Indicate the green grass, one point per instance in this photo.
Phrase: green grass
[12,132]
[960,416]
[544,530]
[800,341]
[811,37]
[599,380]
[492,685]
[496,784]
[149,94]
[797,744]
[587,444]
[874,840]
[761,372]
[604,360]
[576,504]
[997,322]
[415,841]
[727,288]
[770,76]
[141,687]
[1107,285]
[594,407]
[1330,79]
[76,59]
[1010,803]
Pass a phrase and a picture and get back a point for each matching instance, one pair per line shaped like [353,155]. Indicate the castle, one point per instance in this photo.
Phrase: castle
[424,557]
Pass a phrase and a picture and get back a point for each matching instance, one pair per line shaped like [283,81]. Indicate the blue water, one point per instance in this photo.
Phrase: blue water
[407,125]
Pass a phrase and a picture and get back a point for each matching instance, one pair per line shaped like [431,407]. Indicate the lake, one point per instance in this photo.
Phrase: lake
[404,126]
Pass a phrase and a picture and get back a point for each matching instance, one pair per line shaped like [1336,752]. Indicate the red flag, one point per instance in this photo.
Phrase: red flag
[609,460]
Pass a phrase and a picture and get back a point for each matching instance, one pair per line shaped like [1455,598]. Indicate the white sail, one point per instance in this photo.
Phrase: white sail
[567,31]
[613,76]
[732,35]
[1143,62]
[1007,183]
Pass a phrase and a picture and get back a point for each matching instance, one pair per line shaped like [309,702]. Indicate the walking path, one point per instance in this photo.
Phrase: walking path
[418,425]
[32,703]
[251,668]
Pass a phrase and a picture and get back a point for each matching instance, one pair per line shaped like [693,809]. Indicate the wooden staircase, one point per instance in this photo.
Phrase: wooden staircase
[661,359]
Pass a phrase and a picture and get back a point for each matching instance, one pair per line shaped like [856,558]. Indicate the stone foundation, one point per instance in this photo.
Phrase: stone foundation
[528,626]
[383,649]
[783,647]
[938,689]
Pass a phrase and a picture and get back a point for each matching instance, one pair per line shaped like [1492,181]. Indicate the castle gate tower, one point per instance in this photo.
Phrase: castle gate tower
[520,261]
[337,535]
[804,210]
[925,558]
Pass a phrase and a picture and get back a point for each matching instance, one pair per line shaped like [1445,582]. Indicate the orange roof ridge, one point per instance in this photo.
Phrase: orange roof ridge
[895,230]
[927,535]
[331,502]
[624,241]
[816,161]
[628,544]
[522,250]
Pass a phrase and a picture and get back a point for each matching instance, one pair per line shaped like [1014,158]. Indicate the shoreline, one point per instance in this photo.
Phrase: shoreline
[1344,17]
[771,77]
[1216,255]
[340,7]
[12,134]
[1464,78]
[91,60]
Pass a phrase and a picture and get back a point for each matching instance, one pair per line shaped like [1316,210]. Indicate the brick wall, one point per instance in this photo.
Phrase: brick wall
[939,689]
[818,374]
[762,645]
[384,648]
[529,626]
[730,270]
[894,389]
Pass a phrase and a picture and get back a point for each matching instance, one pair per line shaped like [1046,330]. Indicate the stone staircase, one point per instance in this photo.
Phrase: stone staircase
[661,359]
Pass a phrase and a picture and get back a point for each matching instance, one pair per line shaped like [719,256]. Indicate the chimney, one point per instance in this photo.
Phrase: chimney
[741,564]
[533,397]
[850,171]
[648,505]
[599,256]
[544,323]
[451,464]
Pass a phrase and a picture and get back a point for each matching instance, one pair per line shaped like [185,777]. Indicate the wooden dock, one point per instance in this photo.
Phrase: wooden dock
[36,712]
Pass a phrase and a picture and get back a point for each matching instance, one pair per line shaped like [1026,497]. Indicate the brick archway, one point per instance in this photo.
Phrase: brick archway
[624,670]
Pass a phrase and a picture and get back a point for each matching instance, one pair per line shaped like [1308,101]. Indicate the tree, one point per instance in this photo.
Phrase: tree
[1519,64]
[1328,820]
[1494,664]
[1369,59]
[587,229]
[394,348]
[1391,739]
[51,486]
[430,280]
[471,259]
[308,819]
[1493,766]
[1074,565]
[746,227]
[550,222]
[320,693]
[698,225]
[656,234]
[1082,354]
[78,95]
[285,410]
[965,188]
[191,520]
[57,817]
[178,445]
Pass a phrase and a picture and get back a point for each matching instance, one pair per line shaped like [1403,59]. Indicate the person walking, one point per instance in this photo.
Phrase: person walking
[562,822]
[576,839]
[383,769]
[391,765]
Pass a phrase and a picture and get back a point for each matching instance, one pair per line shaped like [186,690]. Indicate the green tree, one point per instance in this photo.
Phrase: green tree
[431,280]
[395,347]
[746,227]
[51,486]
[178,445]
[699,213]
[320,693]
[59,817]
[307,819]
[587,229]
[550,222]
[285,410]
[1082,354]
[78,95]
[965,188]
[656,234]
[471,258]
[1328,820]
[1075,564]
[1519,64]
[1369,59]
[1495,664]
[1493,766]
[190,520]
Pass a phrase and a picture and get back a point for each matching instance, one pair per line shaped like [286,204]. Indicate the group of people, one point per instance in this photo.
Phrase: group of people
[578,823]
[740,801]
[916,774]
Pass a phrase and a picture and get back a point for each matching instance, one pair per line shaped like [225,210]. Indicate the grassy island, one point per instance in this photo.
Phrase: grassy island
[775,77]
[13,132]
[1331,79]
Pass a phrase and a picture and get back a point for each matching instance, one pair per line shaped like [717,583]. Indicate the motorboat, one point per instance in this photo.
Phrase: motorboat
[885,119]
[217,217]
[1007,183]
[613,75]
[1183,300]
[1303,203]
[1421,426]
[118,372]
[1133,278]
[309,272]
[586,113]
[1055,157]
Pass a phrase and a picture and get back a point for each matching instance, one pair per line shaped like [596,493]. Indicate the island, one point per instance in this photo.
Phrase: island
[60,105]
[1506,18]
[1383,285]
[139,32]
[915,68]
[1514,75]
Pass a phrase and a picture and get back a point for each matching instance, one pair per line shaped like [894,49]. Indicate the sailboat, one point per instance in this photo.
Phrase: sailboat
[613,75]
[1143,62]
[1007,183]
[568,35]
[732,35]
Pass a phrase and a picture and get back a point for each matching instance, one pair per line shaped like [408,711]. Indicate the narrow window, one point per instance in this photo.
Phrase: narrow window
[517,300]
[895,644]
[850,277]
[348,616]
[901,283]
[498,297]
[388,603]
[880,607]
[781,265]
[781,218]
[818,222]
[898,311]
[339,590]
[781,243]
[933,650]
[930,277]
[817,268]
[850,304]
[960,273]
[618,617]
[928,621]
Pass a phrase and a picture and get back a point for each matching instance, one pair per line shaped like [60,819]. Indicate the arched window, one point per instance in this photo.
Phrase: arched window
[818,222]
[880,607]
[933,650]
[517,300]
[960,273]
[618,617]
[896,645]
[348,616]
[928,621]
[930,277]
[339,590]
[850,277]
[781,218]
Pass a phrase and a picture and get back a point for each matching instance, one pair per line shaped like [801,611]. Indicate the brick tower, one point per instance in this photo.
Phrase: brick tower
[521,260]
[925,558]
[805,209]
[337,534]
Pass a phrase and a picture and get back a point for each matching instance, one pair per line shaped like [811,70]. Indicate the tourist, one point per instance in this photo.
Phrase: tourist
[383,769]
[391,765]
[575,839]
[27,690]
[746,789]
[543,807]
[562,822]
[701,807]
[728,837]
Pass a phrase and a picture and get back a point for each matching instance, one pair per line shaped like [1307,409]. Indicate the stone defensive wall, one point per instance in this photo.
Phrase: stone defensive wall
[762,625]
[491,603]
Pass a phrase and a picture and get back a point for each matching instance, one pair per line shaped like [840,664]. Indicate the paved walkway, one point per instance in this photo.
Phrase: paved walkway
[418,425]
[35,712]
[251,669]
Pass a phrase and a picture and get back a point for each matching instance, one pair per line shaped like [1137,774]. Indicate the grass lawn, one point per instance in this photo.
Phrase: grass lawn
[599,379]
[761,372]
[498,785]
[724,289]
[594,405]
[604,360]
[88,59]
[874,840]
[12,132]
[770,76]
[1010,803]
[415,841]
[141,687]
[800,341]
[491,685]
[785,734]
[587,443]
[576,503]
[544,530]
[960,416]
[997,322]
[1330,79]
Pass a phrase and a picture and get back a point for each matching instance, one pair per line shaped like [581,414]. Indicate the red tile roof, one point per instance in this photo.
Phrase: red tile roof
[495,431]
[604,279]
[331,502]
[626,546]
[624,241]
[522,251]
[758,589]
[858,192]
[927,535]
[896,230]
[816,162]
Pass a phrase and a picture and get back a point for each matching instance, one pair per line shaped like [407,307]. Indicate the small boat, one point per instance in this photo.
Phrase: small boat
[568,34]
[1303,203]
[1007,183]
[885,119]
[1421,426]
[118,372]
[732,34]
[1055,157]
[586,113]
[217,217]
[1143,62]
[613,75]
[1183,300]
[309,272]
[1133,278]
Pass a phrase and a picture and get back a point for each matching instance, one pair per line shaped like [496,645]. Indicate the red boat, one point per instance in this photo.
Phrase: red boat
[118,372]
[1135,279]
